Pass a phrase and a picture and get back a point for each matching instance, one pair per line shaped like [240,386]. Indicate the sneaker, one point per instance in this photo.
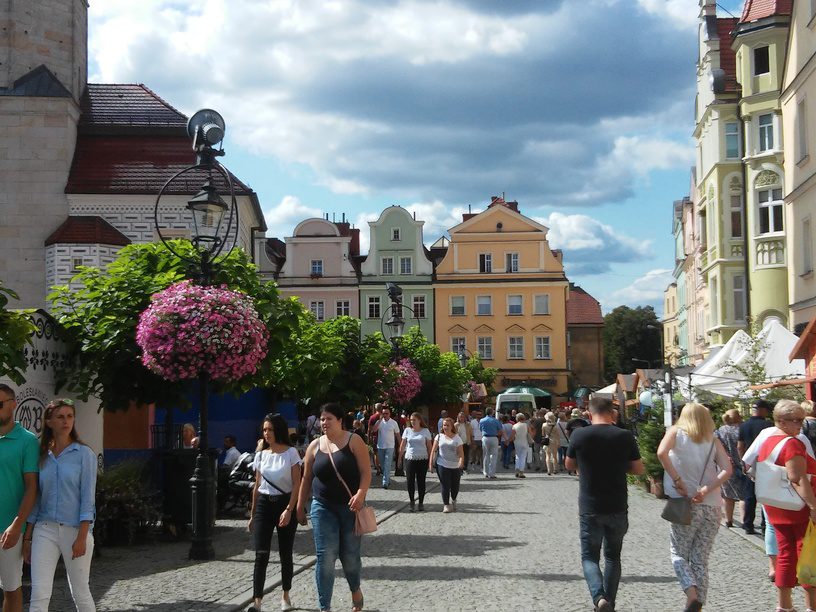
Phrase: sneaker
[446,509]
[286,606]
[521,475]
[605,606]
[385,486]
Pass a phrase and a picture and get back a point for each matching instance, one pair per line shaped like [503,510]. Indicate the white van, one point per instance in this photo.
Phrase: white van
[521,402]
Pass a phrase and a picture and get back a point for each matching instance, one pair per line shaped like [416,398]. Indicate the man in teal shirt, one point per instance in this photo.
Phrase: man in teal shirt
[19,464]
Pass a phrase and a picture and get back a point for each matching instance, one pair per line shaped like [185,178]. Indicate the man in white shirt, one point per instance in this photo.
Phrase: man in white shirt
[231,454]
[476,446]
[388,438]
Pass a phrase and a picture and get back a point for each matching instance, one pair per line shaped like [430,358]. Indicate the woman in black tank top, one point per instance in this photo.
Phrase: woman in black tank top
[332,510]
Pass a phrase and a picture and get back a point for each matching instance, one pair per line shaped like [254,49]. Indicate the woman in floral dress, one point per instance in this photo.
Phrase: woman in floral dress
[733,489]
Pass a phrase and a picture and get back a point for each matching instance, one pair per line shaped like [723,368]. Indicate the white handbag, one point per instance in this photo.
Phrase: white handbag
[772,485]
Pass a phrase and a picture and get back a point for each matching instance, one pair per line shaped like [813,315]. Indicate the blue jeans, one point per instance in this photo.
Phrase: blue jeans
[386,456]
[507,454]
[606,529]
[333,530]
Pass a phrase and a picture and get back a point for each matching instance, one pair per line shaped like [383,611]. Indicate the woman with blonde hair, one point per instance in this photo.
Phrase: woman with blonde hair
[790,525]
[733,490]
[550,440]
[696,465]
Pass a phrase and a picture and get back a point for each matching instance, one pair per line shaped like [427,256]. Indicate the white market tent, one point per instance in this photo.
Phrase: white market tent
[717,375]
[609,392]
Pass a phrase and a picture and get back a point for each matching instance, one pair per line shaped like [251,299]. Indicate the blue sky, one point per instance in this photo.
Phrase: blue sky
[580,110]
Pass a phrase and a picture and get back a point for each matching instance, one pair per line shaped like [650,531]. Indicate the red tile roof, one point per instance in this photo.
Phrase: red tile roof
[728,58]
[127,105]
[87,230]
[760,9]
[137,165]
[582,308]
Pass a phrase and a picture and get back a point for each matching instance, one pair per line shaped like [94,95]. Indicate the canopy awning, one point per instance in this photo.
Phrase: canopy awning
[531,390]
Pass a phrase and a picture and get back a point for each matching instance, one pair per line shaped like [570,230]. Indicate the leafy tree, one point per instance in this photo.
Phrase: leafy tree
[480,374]
[631,336]
[443,377]
[362,361]
[16,328]
[101,308]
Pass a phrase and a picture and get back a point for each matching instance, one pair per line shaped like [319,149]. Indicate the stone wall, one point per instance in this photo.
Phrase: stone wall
[37,140]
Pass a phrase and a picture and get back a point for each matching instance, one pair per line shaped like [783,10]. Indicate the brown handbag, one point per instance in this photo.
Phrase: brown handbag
[365,521]
[678,509]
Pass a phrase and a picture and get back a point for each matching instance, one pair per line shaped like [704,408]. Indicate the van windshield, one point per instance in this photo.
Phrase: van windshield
[518,406]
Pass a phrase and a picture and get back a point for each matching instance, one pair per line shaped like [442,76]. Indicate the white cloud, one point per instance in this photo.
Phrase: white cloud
[681,14]
[282,218]
[647,289]
[431,100]
[365,233]
[591,247]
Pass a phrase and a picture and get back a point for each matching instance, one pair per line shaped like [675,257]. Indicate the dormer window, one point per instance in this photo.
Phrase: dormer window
[396,234]
[762,60]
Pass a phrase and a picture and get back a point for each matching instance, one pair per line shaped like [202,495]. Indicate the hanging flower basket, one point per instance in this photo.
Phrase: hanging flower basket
[400,382]
[189,330]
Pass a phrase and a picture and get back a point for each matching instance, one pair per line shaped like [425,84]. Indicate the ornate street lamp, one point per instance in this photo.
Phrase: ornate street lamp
[395,322]
[210,238]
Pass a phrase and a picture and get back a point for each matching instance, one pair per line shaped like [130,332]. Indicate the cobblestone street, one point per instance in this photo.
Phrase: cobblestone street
[512,545]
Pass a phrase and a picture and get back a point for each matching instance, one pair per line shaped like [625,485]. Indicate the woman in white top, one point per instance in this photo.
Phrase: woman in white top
[465,432]
[274,498]
[519,437]
[696,465]
[450,461]
[414,450]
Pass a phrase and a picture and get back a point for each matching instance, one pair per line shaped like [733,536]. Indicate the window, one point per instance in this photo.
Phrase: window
[807,247]
[419,306]
[343,308]
[541,304]
[766,139]
[318,309]
[732,148]
[770,210]
[512,262]
[514,303]
[762,60]
[396,234]
[75,263]
[484,345]
[515,347]
[374,307]
[457,344]
[801,132]
[484,305]
[485,262]
[736,216]
[387,265]
[457,304]
[702,224]
[542,347]
[405,265]
[739,298]
[317,267]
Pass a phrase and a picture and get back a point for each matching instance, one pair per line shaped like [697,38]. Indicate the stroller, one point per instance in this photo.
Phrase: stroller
[235,488]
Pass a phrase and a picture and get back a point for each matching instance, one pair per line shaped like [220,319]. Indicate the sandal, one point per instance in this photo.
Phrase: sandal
[357,605]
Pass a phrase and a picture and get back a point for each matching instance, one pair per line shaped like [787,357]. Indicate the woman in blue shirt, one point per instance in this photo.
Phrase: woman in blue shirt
[61,522]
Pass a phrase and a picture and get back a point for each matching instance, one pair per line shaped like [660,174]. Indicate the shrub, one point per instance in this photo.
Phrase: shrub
[125,508]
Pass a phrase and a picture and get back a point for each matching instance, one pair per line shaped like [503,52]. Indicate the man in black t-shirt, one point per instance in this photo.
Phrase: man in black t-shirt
[603,454]
[748,431]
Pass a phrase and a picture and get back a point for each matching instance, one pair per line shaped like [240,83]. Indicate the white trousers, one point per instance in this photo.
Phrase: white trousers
[521,458]
[50,541]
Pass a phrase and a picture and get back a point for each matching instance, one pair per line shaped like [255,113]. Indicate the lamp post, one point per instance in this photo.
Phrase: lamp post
[209,238]
[395,322]
[668,392]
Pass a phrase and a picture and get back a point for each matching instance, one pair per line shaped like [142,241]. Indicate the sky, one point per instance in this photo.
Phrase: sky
[580,110]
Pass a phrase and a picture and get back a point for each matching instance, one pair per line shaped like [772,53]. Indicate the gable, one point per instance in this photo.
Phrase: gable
[487,222]
[542,327]
[457,329]
[515,328]
[484,329]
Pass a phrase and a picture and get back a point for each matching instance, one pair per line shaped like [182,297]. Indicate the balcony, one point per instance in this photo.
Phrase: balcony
[770,252]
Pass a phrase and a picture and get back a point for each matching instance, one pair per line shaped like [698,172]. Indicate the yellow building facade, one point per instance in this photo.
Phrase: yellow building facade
[501,293]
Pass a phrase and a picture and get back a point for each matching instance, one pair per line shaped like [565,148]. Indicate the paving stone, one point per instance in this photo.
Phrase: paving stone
[512,545]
